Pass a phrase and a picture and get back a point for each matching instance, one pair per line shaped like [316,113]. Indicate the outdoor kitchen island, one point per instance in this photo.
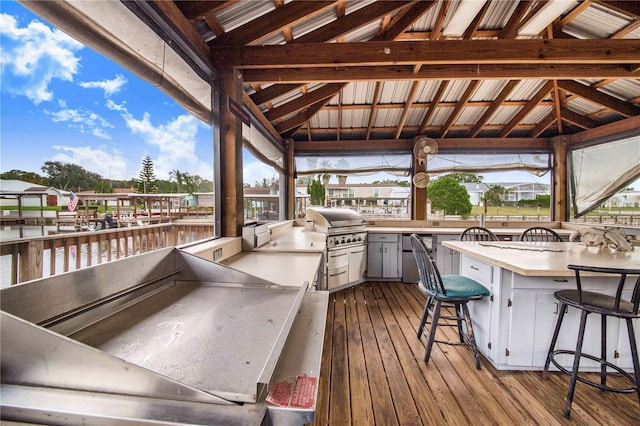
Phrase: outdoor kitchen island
[514,325]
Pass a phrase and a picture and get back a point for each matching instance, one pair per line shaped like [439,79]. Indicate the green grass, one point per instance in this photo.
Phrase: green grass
[511,211]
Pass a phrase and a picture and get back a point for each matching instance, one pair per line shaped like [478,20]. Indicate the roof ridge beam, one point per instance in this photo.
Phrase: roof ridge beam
[469,52]
[435,72]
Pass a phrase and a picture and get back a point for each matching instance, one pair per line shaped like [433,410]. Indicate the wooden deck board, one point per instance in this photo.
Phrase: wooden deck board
[373,373]
[361,406]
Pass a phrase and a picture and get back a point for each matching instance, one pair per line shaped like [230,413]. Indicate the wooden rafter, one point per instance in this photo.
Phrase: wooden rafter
[525,110]
[499,101]
[271,23]
[432,109]
[325,92]
[198,9]
[471,88]
[407,108]
[374,106]
[598,97]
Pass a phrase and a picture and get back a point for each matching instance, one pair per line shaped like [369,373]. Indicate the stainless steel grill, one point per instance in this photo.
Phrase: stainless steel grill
[346,245]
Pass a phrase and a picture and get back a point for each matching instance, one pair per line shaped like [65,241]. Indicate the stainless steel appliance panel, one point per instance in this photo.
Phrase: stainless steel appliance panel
[409,267]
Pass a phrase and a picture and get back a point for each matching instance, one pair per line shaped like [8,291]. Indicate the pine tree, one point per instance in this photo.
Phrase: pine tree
[147,183]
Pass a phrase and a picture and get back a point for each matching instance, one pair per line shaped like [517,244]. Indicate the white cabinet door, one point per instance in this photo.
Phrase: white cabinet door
[532,319]
[374,259]
[384,256]
[483,311]
[447,260]
[390,264]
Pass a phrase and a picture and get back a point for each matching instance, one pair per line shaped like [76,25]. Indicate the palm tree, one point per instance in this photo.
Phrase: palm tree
[179,177]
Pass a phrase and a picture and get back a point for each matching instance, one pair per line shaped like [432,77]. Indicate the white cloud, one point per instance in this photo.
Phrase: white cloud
[255,171]
[33,56]
[85,121]
[108,164]
[110,87]
[175,142]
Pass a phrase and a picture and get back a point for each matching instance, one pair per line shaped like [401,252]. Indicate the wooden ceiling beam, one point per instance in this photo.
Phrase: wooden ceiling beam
[525,110]
[577,119]
[288,127]
[407,108]
[436,72]
[497,103]
[176,18]
[322,93]
[274,91]
[630,124]
[197,9]
[340,26]
[450,52]
[630,8]
[351,21]
[412,14]
[625,108]
[510,30]
[432,108]
[270,23]
[543,125]
[373,108]
[471,88]
[399,145]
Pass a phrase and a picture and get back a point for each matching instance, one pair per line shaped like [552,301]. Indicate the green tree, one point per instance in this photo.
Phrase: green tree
[69,176]
[24,176]
[178,176]
[494,195]
[317,192]
[147,183]
[448,195]
[466,177]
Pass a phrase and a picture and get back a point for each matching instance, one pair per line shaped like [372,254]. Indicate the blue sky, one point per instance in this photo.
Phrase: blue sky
[61,101]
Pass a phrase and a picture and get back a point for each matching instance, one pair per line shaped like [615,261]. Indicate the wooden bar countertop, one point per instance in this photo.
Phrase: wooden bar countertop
[543,258]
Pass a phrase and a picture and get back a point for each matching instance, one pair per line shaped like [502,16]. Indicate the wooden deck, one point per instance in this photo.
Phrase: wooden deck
[373,373]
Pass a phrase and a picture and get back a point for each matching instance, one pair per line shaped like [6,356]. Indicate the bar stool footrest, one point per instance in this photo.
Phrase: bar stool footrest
[632,389]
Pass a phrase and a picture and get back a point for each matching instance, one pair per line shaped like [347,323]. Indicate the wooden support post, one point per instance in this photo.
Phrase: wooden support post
[560,193]
[231,157]
[419,196]
[291,180]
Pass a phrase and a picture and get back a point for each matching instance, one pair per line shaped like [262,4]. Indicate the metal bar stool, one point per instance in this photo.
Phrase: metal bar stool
[592,302]
[442,291]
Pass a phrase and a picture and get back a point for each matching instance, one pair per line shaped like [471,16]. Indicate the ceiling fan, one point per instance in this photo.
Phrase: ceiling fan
[424,148]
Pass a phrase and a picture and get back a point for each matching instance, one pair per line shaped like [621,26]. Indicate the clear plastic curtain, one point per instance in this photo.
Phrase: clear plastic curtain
[536,163]
[600,171]
[353,165]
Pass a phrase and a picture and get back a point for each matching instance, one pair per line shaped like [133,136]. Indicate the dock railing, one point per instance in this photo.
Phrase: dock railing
[39,257]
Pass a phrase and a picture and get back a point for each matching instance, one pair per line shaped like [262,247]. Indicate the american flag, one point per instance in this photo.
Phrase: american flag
[73,202]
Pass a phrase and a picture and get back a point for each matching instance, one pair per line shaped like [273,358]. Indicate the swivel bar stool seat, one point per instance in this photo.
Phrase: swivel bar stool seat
[442,291]
[589,302]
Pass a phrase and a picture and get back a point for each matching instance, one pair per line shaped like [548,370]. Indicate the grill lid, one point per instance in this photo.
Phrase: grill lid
[327,218]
